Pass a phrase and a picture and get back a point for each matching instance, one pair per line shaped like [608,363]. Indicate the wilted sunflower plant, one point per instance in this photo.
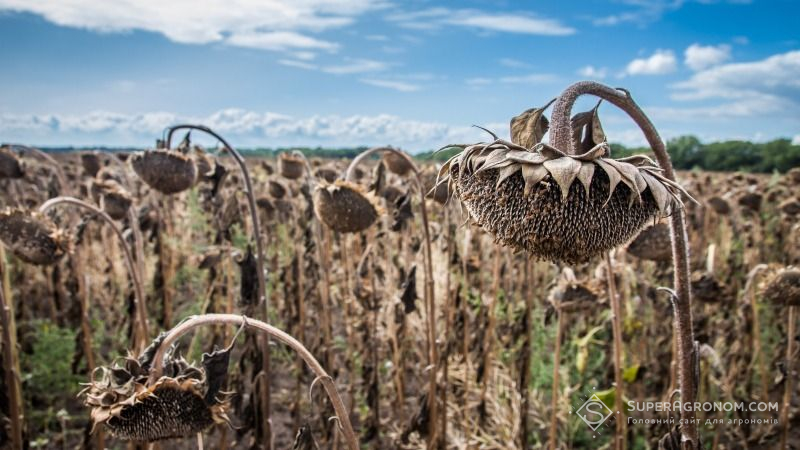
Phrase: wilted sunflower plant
[158,395]
[569,201]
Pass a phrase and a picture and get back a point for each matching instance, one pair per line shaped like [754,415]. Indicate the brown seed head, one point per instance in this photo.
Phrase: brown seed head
[32,237]
[115,199]
[276,189]
[167,171]
[10,166]
[783,287]
[291,167]
[653,243]
[175,406]
[559,207]
[396,163]
[91,163]
[344,207]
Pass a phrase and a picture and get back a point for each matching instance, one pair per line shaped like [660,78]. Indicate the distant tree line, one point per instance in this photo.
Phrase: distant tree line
[687,153]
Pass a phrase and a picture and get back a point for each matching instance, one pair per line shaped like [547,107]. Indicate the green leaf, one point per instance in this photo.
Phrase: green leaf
[629,374]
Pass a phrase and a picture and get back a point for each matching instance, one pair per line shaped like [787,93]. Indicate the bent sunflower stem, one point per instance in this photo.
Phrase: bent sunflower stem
[138,290]
[262,290]
[193,322]
[561,138]
[429,291]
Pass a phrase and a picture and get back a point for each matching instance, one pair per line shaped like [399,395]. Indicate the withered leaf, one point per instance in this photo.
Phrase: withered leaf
[409,288]
[587,131]
[304,440]
[528,128]
[216,367]
[249,280]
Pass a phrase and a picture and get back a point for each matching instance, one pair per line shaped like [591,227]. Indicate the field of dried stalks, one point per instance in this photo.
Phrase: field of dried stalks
[519,342]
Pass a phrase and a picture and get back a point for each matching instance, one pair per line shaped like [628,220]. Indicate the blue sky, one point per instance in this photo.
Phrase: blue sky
[416,74]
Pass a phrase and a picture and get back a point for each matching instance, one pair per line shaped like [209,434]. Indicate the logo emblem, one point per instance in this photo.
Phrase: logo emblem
[594,412]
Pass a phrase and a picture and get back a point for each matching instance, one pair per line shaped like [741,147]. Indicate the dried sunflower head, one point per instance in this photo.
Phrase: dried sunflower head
[32,237]
[167,171]
[345,207]
[276,189]
[10,166]
[290,166]
[396,163]
[183,402]
[783,287]
[328,174]
[653,243]
[558,206]
[115,199]
[91,163]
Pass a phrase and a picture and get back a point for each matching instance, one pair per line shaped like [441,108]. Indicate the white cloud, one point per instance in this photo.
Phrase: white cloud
[297,64]
[279,41]
[255,24]
[349,67]
[648,11]
[521,23]
[533,78]
[478,81]
[770,79]
[356,66]
[241,127]
[796,139]
[513,63]
[660,62]
[597,73]
[401,86]
[699,57]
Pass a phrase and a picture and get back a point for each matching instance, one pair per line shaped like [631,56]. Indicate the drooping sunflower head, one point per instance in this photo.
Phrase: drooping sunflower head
[557,206]
[183,402]
[114,199]
[345,207]
[783,287]
[167,171]
[653,243]
[10,165]
[290,166]
[32,237]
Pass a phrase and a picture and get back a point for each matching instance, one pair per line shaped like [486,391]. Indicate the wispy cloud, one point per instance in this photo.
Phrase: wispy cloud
[644,12]
[659,63]
[396,85]
[355,66]
[348,67]
[507,22]
[532,78]
[513,63]
[241,127]
[279,41]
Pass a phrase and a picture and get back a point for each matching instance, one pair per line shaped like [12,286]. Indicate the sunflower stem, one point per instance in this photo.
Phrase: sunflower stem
[10,357]
[430,302]
[138,290]
[262,290]
[193,322]
[561,138]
